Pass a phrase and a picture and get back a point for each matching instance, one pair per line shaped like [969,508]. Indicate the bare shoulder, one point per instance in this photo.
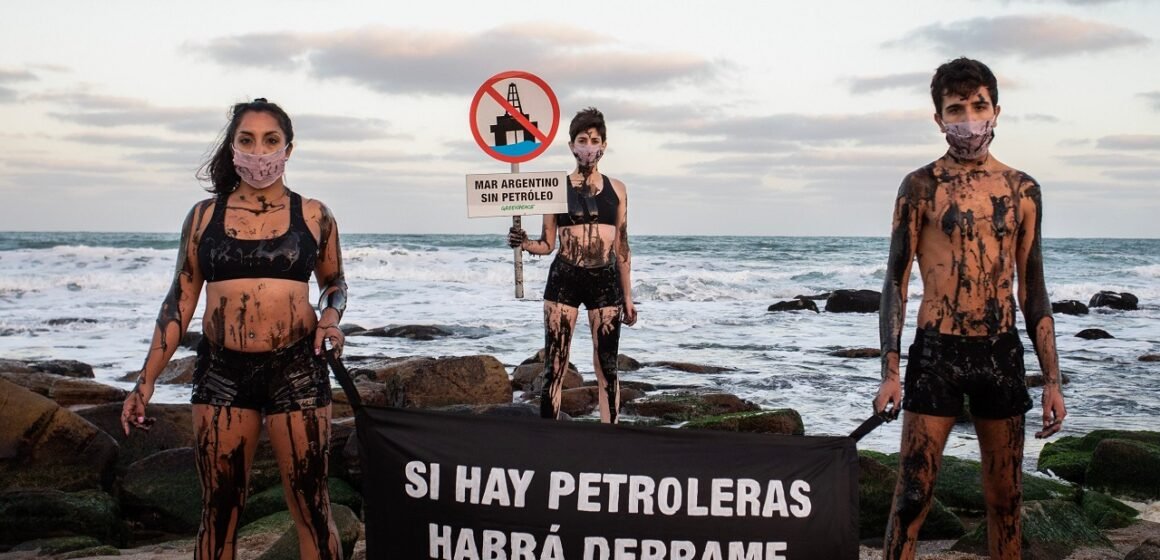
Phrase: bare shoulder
[618,186]
[921,183]
[1025,184]
[315,211]
[199,214]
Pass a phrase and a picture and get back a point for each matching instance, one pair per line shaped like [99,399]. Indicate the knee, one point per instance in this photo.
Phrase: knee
[912,502]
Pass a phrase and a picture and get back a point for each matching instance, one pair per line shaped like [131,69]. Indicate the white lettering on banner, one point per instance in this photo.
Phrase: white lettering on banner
[798,490]
[417,486]
[470,484]
[495,544]
[598,548]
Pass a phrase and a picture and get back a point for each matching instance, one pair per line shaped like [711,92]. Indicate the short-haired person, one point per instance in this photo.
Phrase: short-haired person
[593,267]
[254,247]
[973,224]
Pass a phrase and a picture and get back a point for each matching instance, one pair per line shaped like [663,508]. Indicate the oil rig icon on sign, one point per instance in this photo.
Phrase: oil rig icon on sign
[506,130]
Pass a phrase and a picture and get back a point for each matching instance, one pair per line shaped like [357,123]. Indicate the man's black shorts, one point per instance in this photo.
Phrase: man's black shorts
[942,368]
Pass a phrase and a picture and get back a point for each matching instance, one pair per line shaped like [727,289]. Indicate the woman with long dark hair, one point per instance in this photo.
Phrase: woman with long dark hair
[255,246]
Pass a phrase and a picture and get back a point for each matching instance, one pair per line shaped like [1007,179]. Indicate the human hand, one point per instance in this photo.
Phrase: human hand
[1053,411]
[516,237]
[628,316]
[888,402]
[133,411]
[331,332]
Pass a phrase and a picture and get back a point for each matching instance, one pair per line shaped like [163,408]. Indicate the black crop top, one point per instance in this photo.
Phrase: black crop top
[591,209]
[290,256]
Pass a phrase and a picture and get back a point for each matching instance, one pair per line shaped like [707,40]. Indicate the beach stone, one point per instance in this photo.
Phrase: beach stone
[785,421]
[1069,456]
[857,353]
[173,428]
[67,368]
[1148,550]
[1125,468]
[67,391]
[430,382]
[1036,379]
[794,305]
[273,500]
[626,363]
[61,321]
[371,393]
[43,445]
[102,550]
[853,301]
[14,366]
[638,385]
[57,545]
[876,483]
[529,377]
[815,297]
[683,406]
[1122,301]
[1069,307]
[960,485]
[1104,511]
[1150,358]
[413,332]
[580,401]
[629,394]
[341,429]
[1052,529]
[29,515]
[163,491]
[1093,334]
[690,368]
[349,532]
[177,372]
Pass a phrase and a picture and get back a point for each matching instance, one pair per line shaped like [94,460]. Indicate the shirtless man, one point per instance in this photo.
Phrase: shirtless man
[973,223]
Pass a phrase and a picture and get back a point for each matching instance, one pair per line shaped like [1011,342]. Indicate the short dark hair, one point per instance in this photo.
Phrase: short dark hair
[585,119]
[962,77]
[219,169]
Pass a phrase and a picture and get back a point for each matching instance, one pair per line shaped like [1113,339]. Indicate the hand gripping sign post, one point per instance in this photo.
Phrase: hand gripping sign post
[514,117]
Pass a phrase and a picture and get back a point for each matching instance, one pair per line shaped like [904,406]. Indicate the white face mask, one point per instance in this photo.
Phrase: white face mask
[970,140]
[587,154]
[260,170]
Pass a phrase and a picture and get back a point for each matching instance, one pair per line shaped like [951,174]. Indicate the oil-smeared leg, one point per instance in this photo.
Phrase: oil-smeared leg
[300,440]
[605,323]
[226,440]
[559,323]
[1001,451]
[923,439]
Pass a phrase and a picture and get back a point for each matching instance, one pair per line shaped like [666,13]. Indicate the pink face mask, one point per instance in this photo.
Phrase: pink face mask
[260,170]
[587,154]
[970,140]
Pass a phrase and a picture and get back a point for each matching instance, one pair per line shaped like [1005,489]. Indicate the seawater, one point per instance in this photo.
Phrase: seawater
[701,299]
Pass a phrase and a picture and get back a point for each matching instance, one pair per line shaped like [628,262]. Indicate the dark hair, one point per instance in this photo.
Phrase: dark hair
[219,169]
[585,119]
[962,77]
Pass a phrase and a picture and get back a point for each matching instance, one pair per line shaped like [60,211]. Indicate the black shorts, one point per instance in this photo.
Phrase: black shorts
[282,380]
[572,285]
[942,368]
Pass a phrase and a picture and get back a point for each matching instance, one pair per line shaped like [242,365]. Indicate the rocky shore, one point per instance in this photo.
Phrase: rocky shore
[73,486]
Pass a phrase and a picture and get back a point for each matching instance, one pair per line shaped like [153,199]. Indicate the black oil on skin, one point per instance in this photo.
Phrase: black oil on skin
[171,308]
[608,347]
[223,487]
[307,480]
[557,344]
[917,189]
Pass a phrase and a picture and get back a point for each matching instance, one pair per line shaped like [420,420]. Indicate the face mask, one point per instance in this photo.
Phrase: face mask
[587,154]
[970,140]
[260,171]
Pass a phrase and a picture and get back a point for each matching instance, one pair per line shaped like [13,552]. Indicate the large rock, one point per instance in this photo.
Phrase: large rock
[508,410]
[43,445]
[580,401]
[1093,334]
[27,515]
[172,428]
[785,421]
[626,363]
[430,382]
[1125,467]
[1150,358]
[794,305]
[679,407]
[163,491]
[67,391]
[413,332]
[1105,511]
[853,301]
[1148,550]
[529,378]
[1069,457]
[67,368]
[960,486]
[1052,529]
[1115,300]
[689,367]
[857,353]
[349,532]
[1069,307]
[876,483]
[273,500]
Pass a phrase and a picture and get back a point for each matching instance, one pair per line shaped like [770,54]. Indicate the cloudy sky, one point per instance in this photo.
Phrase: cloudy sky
[725,117]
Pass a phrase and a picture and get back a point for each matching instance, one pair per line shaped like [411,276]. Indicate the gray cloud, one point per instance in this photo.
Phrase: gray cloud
[1152,97]
[1027,36]
[1130,142]
[108,111]
[760,134]
[1151,176]
[816,164]
[11,77]
[1110,160]
[396,60]
[339,129]
[918,81]
[1074,142]
[138,141]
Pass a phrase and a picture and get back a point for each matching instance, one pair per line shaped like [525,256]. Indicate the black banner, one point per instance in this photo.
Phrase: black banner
[458,487]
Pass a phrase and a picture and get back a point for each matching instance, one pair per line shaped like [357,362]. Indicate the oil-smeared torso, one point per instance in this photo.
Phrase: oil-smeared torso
[587,232]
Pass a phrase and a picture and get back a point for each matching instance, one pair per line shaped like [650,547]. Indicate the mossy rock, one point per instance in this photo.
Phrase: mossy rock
[785,421]
[1105,511]
[273,500]
[102,550]
[960,485]
[163,492]
[349,532]
[37,514]
[1052,529]
[275,523]
[876,483]
[684,406]
[1070,456]
[1126,468]
[58,545]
